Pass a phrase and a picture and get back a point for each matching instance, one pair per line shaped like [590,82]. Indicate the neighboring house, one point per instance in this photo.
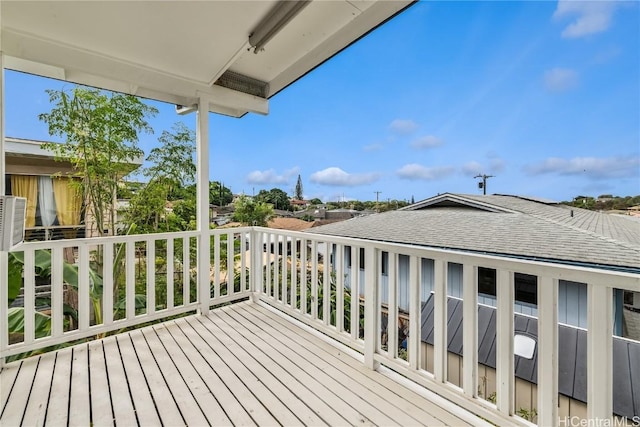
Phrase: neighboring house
[510,226]
[55,205]
[299,204]
[523,228]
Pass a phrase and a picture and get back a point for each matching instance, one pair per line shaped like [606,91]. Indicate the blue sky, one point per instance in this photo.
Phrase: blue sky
[543,95]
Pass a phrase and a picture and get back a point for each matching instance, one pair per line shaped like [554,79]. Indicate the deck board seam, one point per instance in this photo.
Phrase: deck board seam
[13,384]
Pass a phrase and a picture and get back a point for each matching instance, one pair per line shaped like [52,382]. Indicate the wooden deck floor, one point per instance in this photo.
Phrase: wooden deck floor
[241,365]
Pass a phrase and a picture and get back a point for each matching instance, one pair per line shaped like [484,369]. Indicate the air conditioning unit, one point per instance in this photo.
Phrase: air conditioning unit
[13,211]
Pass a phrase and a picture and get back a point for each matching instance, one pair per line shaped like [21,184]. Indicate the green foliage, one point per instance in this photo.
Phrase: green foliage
[278,198]
[252,212]
[171,173]
[605,202]
[101,131]
[315,201]
[219,195]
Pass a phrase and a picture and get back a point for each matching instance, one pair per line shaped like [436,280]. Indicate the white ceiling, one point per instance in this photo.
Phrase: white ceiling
[175,51]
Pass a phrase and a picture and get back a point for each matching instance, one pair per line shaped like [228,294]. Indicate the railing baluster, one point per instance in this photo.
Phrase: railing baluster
[303,276]
[216,269]
[57,288]
[170,273]
[266,254]
[29,296]
[415,323]
[243,261]
[151,275]
[276,267]
[371,307]
[284,269]
[392,309]
[599,353]
[294,272]
[504,336]
[326,284]
[440,348]
[470,330]
[547,351]
[314,279]
[339,259]
[130,286]
[186,266]
[230,265]
[84,301]
[355,292]
[107,283]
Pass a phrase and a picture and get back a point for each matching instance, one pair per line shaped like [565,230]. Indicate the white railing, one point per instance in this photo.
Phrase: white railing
[333,284]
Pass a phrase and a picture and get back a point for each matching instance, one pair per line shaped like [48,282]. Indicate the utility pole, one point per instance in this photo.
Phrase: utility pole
[377,196]
[483,184]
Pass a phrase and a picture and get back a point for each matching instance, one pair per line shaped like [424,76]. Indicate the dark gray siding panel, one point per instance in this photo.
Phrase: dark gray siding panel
[621,378]
[580,380]
[634,368]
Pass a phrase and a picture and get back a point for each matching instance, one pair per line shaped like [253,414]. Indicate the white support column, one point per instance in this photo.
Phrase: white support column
[371,307]
[202,214]
[440,320]
[470,330]
[255,269]
[599,353]
[4,256]
[548,351]
[504,335]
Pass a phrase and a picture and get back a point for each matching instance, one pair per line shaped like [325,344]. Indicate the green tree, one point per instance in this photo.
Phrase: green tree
[276,197]
[299,195]
[219,195]
[172,172]
[252,212]
[315,201]
[101,131]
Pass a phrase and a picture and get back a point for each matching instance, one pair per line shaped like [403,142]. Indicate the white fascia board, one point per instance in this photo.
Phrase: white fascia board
[88,68]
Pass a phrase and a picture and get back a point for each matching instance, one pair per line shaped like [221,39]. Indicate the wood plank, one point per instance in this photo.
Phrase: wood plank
[344,383]
[257,383]
[242,390]
[143,402]
[8,375]
[280,382]
[332,408]
[199,389]
[79,403]
[15,407]
[123,410]
[37,405]
[220,391]
[191,411]
[58,405]
[167,408]
[101,412]
[410,402]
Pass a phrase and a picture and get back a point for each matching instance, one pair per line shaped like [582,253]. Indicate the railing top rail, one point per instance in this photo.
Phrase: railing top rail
[563,271]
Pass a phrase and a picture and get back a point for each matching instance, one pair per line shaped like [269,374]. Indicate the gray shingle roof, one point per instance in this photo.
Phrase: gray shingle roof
[516,227]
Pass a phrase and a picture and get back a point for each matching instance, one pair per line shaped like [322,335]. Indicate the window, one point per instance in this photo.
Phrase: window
[526,286]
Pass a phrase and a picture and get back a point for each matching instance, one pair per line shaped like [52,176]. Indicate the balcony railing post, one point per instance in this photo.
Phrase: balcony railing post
[4,298]
[504,336]
[415,334]
[371,307]
[548,351]
[440,321]
[599,353]
[470,330]
[255,273]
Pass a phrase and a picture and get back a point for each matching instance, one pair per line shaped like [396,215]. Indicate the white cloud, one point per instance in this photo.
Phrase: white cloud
[560,79]
[403,127]
[337,177]
[428,141]
[373,147]
[496,165]
[271,177]
[591,167]
[414,171]
[592,16]
[472,168]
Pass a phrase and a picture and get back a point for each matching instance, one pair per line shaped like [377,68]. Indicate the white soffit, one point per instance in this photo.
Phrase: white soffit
[174,50]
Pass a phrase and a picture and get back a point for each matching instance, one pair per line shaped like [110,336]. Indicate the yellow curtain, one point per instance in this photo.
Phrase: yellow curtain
[68,202]
[26,186]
